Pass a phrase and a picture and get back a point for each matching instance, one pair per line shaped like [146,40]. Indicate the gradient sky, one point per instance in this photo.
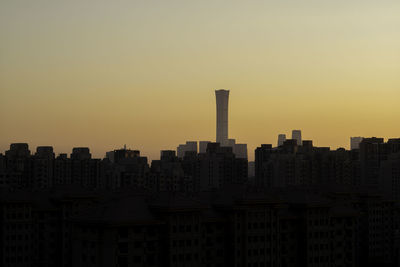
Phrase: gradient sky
[143,73]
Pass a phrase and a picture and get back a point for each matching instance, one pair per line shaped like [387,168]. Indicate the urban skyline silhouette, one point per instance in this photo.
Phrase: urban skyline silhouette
[222,119]
[104,75]
[199,133]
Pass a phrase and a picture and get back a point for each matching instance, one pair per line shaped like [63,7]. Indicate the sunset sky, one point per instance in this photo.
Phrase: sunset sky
[143,73]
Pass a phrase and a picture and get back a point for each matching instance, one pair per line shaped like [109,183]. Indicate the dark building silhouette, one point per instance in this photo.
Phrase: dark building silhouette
[305,206]
[222,100]
[190,146]
[234,227]
[203,146]
[281,139]
[219,167]
[43,167]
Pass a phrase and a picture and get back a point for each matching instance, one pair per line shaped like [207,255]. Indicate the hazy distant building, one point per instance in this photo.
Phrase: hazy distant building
[183,148]
[222,98]
[180,150]
[281,139]
[191,146]
[296,134]
[355,142]
[203,146]
[240,151]
[231,143]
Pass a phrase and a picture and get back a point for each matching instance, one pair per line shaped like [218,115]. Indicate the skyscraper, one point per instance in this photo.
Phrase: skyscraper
[296,134]
[222,98]
[281,139]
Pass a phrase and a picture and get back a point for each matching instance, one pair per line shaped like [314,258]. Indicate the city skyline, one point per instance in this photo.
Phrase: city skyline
[199,133]
[221,117]
[105,75]
[222,126]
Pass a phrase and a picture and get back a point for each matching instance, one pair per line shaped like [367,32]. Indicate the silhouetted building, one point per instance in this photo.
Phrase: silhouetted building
[222,100]
[389,176]
[168,174]
[18,150]
[281,139]
[62,170]
[306,206]
[236,226]
[306,147]
[43,167]
[180,150]
[290,146]
[263,175]
[219,167]
[190,146]
[251,170]
[17,165]
[120,232]
[80,153]
[230,143]
[203,146]
[372,152]
[292,165]
[240,151]
[85,171]
[296,135]
[127,169]
[355,142]
[121,154]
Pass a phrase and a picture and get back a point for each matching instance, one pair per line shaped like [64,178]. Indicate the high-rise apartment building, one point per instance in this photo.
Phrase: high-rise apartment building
[281,139]
[190,146]
[296,134]
[203,146]
[240,151]
[355,142]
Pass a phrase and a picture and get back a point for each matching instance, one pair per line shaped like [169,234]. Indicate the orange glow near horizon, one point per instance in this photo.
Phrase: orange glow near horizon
[143,73]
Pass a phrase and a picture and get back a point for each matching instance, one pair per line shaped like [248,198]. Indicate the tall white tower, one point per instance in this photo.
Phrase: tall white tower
[222,99]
